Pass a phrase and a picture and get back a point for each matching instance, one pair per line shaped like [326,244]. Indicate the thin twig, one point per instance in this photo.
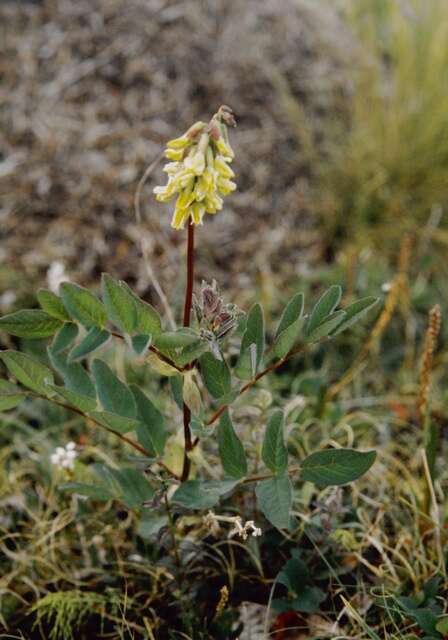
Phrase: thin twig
[267,476]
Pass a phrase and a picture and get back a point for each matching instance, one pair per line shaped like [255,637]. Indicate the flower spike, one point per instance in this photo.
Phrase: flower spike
[198,171]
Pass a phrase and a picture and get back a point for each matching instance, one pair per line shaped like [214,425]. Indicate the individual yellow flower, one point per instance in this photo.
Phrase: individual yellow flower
[199,172]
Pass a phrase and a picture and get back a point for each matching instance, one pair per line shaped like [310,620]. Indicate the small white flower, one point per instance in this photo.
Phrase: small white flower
[64,457]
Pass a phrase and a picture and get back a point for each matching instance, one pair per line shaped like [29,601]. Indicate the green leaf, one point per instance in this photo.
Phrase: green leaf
[30,372]
[76,378]
[294,575]
[141,343]
[216,375]
[151,428]
[324,307]
[84,403]
[10,395]
[288,337]
[114,394]
[197,494]
[175,339]
[354,312]
[30,323]
[148,320]
[309,600]
[275,499]
[134,487]
[150,524]
[336,466]
[292,313]
[326,327]
[94,339]
[252,344]
[274,452]
[53,305]
[64,337]
[176,385]
[425,617]
[442,626]
[231,451]
[93,491]
[191,352]
[82,305]
[120,304]
[114,421]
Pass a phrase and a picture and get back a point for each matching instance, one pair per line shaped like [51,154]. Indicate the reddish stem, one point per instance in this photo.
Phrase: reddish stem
[190,275]
[187,316]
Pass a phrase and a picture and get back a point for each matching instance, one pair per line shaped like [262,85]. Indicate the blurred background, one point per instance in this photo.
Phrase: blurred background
[341,146]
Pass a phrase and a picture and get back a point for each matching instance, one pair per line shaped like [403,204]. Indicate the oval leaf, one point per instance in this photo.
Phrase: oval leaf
[197,494]
[148,320]
[354,312]
[64,337]
[274,452]
[151,428]
[275,499]
[216,375]
[252,344]
[30,323]
[53,305]
[336,466]
[82,305]
[120,304]
[231,451]
[175,339]
[292,312]
[114,394]
[76,378]
[94,339]
[114,421]
[326,327]
[30,372]
[324,307]
[10,395]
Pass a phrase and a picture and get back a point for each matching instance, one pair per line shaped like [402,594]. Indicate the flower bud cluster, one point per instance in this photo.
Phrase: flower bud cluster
[199,173]
[217,320]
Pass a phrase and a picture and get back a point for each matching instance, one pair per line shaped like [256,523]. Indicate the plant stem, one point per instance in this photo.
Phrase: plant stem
[188,444]
[267,476]
[190,276]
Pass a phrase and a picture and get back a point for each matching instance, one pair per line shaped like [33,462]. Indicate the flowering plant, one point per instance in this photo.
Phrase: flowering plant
[205,384]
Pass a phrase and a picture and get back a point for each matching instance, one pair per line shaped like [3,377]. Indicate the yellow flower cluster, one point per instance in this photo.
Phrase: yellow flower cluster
[199,172]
